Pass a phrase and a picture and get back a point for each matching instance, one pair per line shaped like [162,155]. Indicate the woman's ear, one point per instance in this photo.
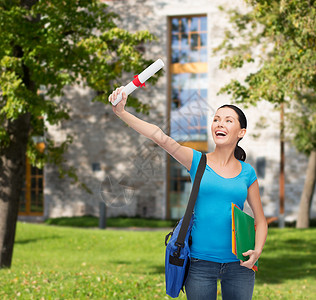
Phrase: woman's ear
[242,133]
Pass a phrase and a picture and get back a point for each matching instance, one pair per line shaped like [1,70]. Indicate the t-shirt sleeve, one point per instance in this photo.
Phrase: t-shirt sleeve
[252,176]
[195,163]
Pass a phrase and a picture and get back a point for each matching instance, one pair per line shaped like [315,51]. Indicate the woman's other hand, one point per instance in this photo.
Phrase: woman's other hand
[253,257]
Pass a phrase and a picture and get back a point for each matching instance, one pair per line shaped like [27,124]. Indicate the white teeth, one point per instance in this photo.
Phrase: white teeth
[221,133]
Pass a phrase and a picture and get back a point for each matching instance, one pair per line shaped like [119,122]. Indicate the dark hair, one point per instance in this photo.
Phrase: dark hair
[239,152]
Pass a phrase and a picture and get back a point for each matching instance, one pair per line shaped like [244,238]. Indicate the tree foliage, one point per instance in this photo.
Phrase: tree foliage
[47,45]
[280,37]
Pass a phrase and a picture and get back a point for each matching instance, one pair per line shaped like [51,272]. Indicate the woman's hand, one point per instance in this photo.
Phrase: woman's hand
[120,107]
[253,257]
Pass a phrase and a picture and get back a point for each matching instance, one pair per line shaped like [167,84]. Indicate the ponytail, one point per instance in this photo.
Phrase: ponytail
[239,153]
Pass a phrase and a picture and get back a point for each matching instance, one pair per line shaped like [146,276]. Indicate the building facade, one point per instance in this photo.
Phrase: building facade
[129,173]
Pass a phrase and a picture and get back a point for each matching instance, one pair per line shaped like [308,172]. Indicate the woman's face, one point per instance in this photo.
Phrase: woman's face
[226,127]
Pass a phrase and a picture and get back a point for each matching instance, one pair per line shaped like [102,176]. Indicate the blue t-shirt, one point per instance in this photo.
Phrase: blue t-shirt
[211,232]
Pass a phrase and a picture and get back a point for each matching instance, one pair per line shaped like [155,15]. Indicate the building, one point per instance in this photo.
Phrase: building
[131,174]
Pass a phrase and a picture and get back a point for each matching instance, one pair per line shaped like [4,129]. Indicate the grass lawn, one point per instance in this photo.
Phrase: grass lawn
[53,262]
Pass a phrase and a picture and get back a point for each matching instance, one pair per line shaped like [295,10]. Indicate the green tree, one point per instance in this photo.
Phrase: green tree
[280,37]
[52,44]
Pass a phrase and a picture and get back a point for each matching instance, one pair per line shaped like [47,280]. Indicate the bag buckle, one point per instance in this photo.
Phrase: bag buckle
[177,252]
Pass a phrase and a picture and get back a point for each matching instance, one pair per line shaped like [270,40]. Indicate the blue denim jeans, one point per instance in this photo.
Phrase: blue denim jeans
[237,282]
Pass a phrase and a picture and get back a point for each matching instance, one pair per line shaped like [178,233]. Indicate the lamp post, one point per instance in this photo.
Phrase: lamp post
[282,163]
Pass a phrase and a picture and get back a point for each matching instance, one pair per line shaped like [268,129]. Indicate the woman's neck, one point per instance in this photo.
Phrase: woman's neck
[222,155]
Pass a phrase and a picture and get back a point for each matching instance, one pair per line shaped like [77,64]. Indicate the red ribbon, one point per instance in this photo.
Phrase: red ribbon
[137,82]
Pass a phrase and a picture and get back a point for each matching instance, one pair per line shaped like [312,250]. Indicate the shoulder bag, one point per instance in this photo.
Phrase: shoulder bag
[177,257]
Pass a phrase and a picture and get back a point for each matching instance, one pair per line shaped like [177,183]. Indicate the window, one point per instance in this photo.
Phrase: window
[189,39]
[188,109]
[32,196]
[188,114]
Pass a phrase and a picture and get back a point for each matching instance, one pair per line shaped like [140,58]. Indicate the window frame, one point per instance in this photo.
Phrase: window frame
[28,189]
[178,68]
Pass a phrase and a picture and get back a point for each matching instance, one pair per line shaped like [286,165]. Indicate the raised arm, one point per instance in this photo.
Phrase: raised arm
[182,154]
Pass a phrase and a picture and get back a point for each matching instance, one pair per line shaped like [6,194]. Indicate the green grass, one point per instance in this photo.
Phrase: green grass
[53,262]
[90,221]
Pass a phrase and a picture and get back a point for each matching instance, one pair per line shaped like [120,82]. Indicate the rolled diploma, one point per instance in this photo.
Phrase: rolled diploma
[143,76]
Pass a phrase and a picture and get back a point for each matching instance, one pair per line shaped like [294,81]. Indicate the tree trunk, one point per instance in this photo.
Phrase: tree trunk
[308,191]
[12,163]
[12,170]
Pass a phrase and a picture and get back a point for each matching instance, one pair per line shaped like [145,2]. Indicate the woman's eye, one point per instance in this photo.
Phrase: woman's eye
[229,121]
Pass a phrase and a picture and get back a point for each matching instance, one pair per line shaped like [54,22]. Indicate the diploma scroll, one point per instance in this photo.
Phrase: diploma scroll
[139,80]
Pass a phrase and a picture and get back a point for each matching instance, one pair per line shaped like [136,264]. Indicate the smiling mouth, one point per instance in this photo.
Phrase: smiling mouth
[220,133]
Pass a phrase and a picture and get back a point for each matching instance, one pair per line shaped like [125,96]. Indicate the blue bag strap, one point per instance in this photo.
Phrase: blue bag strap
[190,207]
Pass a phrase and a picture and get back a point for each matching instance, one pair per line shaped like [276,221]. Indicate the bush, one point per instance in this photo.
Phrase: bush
[91,221]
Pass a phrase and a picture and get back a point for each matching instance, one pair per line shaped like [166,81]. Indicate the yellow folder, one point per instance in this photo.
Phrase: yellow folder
[243,234]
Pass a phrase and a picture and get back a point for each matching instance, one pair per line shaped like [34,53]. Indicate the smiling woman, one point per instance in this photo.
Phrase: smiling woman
[227,179]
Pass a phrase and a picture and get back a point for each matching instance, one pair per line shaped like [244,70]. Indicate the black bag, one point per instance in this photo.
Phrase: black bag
[177,258]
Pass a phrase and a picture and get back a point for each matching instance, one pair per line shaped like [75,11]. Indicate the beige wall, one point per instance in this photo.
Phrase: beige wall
[132,171]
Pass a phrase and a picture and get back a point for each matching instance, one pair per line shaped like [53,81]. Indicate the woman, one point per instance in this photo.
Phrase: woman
[227,178]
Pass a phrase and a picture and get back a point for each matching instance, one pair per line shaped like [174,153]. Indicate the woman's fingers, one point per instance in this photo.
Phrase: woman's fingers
[115,93]
[253,257]
[249,252]
[124,97]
